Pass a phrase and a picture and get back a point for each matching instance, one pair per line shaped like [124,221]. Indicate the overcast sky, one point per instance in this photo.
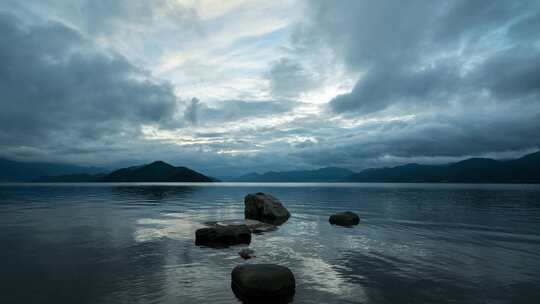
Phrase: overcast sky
[230,87]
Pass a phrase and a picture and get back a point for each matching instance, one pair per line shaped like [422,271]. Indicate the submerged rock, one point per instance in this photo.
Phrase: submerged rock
[222,236]
[246,254]
[266,208]
[263,283]
[345,219]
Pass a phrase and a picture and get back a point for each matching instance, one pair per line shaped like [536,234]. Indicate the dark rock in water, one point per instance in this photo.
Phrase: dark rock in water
[266,208]
[253,225]
[246,254]
[222,236]
[344,219]
[263,283]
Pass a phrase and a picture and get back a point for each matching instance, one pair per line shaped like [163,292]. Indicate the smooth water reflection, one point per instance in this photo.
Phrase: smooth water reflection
[417,243]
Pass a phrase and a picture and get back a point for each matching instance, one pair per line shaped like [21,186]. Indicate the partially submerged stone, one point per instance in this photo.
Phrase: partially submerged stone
[263,283]
[344,219]
[246,254]
[223,236]
[266,208]
[253,225]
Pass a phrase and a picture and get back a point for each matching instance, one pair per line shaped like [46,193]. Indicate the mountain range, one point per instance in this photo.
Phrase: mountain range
[157,171]
[327,174]
[473,170]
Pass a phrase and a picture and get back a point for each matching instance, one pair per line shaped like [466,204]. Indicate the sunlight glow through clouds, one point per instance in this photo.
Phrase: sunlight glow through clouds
[229,57]
[285,83]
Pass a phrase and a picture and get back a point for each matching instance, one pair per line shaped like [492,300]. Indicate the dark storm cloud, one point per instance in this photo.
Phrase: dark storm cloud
[443,136]
[418,51]
[364,31]
[385,84]
[511,73]
[59,89]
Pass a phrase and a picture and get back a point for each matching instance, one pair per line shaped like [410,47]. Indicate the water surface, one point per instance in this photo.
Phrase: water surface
[126,243]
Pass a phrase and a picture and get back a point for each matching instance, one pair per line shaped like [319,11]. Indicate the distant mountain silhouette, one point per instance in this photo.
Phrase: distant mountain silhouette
[328,174]
[157,171]
[473,170]
[15,171]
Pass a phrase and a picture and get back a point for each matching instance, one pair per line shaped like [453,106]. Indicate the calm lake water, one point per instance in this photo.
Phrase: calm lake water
[416,243]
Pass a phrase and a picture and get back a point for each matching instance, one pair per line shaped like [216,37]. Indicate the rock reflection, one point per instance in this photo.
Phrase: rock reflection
[172,226]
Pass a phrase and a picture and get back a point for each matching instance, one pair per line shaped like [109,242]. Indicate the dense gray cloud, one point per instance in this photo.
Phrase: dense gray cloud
[513,73]
[445,136]
[467,72]
[421,51]
[384,85]
[59,89]
[419,80]
[140,30]
[366,31]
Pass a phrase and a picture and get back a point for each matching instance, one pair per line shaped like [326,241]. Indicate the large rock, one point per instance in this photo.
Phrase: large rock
[345,219]
[266,208]
[223,236]
[263,283]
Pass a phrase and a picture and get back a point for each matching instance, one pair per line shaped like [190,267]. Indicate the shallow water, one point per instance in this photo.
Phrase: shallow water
[416,243]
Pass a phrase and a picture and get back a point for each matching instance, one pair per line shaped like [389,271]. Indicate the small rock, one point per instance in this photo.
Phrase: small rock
[263,283]
[345,219]
[266,208]
[223,236]
[246,254]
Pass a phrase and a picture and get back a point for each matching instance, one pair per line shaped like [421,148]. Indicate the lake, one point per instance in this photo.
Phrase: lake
[134,243]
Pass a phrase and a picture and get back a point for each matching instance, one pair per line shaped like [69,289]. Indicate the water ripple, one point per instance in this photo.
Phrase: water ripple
[417,243]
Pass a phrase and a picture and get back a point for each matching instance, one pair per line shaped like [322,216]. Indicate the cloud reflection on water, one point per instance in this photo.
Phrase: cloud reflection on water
[171,226]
